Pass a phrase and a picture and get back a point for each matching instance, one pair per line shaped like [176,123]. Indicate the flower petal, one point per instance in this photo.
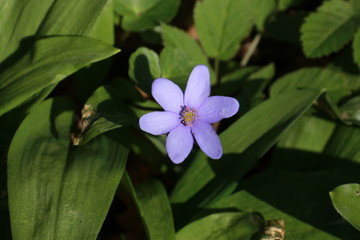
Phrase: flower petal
[179,143]
[207,139]
[216,108]
[158,123]
[168,94]
[198,87]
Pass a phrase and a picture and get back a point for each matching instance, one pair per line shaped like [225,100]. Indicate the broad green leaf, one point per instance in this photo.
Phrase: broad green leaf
[356,6]
[177,41]
[154,207]
[350,110]
[57,191]
[262,10]
[300,147]
[336,84]
[48,17]
[53,18]
[50,61]
[310,133]
[71,17]
[103,27]
[356,47]
[344,143]
[176,65]
[139,15]
[221,27]
[15,25]
[300,199]
[92,76]
[329,29]
[144,68]
[345,199]
[206,181]
[221,226]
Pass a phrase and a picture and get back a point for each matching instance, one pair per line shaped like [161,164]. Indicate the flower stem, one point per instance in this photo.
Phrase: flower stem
[250,50]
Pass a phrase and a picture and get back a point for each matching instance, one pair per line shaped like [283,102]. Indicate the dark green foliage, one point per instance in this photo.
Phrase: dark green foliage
[74,164]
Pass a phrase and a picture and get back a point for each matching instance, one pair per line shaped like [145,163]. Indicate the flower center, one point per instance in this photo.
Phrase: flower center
[188,116]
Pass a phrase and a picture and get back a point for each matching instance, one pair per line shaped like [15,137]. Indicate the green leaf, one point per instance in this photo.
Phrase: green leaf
[57,191]
[345,199]
[344,143]
[50,61]
[262,11]
[71,17]
[220,26]
[178,39]
[139,15]
[189,55]
[93,75]
[356,6]
[144,68]
[154,207]
[356,47]
[300,199]
[103,112]
[48,17]
[350,110]
[15,25]
[315,78]
[206,181]
[99,126]
[176,65]
[300,147]
[221,226]
[329,29]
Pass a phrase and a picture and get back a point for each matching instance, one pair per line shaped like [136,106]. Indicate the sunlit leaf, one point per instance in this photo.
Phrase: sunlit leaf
[345,199]
[220,26]
[221,226]
[139,15]
[57,191]
[190,53]
[50,61]
[262,10]
[300,147]
[176,65]
[336,84]
[329,29]
[344,143]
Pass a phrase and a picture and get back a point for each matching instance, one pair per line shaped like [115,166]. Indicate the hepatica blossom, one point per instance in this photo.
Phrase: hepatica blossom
[188,116]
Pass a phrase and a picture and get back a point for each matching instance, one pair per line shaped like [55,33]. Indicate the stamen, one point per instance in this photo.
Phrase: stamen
[188,116]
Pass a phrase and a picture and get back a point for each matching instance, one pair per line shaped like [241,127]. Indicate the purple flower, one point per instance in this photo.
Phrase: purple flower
[188,116]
